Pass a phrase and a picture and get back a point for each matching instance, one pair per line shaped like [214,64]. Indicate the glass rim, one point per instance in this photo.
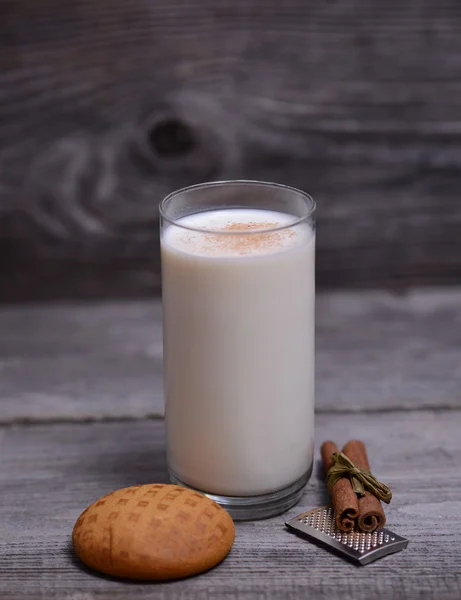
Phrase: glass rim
[309,203]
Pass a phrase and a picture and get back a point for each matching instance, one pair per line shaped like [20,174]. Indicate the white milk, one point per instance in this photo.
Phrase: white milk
[239,351]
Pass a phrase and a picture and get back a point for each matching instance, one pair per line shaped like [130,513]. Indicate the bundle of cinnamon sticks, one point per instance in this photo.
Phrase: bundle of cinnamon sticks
[366,511]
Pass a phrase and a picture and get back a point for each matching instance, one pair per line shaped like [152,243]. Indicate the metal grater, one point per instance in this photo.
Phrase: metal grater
[319,524]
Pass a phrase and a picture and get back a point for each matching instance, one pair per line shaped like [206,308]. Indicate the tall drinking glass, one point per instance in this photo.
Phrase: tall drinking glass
[238,285]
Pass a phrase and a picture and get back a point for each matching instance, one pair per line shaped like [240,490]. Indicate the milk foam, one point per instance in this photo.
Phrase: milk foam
[236,232]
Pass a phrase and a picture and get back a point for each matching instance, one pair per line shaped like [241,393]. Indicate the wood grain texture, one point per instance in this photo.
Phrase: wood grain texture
[50,473]
[375,351]
[106,106]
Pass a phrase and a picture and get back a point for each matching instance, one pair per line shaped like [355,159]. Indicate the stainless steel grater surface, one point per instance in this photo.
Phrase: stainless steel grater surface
[319,524]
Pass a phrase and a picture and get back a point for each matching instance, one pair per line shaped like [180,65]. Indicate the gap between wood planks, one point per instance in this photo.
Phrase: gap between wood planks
[31,421]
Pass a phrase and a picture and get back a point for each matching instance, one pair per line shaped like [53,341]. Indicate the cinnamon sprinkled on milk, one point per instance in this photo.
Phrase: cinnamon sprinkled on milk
[237,233]
[251,226]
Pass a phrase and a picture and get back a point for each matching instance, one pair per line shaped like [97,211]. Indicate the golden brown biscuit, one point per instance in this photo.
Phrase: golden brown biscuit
[154,531]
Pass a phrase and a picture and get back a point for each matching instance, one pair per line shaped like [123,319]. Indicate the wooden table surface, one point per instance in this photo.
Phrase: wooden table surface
[81,415]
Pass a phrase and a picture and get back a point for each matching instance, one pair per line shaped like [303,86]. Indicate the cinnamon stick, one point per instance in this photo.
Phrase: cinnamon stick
[370,510]
[343,498]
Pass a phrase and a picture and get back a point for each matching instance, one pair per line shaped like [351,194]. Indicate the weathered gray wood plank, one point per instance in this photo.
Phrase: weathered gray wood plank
[49,473]
[106,106]
[376,351]
[81,361]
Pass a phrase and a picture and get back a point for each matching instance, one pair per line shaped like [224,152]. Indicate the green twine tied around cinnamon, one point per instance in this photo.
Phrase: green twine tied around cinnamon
[361,479]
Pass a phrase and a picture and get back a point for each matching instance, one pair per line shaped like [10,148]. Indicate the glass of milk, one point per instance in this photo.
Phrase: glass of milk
[238,286]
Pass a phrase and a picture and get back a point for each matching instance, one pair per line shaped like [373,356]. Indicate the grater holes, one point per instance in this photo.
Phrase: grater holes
[368,541]
[324,521]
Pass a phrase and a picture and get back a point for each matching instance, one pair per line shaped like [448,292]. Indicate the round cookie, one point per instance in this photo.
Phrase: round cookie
[154,531]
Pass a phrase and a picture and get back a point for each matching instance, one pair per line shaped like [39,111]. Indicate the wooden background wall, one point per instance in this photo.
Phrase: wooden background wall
[106,105]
